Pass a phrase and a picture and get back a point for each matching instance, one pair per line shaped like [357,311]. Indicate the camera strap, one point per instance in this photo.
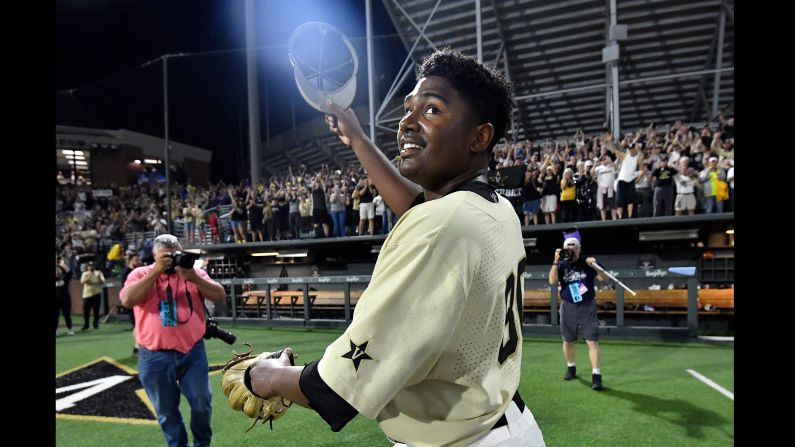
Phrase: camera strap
[170,298]
[206,311]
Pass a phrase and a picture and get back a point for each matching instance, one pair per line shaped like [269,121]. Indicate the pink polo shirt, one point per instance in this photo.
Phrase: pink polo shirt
[149,330]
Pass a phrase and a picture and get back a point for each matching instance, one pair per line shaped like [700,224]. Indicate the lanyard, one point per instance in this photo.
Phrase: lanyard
[170,298]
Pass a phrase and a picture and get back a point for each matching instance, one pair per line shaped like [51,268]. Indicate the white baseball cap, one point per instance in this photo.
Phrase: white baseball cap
[571,240]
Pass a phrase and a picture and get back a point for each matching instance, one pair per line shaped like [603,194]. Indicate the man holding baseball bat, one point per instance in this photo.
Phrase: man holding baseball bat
[577,304]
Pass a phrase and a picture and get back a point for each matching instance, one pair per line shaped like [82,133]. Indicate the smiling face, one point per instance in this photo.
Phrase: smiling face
[439,141]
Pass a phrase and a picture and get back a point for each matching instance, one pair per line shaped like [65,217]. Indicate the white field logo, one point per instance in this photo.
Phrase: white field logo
[104,390]
[92,387]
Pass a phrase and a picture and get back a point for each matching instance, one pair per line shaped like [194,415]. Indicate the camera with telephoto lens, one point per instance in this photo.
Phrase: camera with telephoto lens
[214,331]
[182,259]
[566,254]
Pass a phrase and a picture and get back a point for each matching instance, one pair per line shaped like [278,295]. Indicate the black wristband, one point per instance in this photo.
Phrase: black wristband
[335,410]
[247,381]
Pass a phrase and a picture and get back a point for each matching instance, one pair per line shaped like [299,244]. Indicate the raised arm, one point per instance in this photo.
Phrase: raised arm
[717,142]
[599,275]
[553,271]
[398,192]
[611,146]
[637,136]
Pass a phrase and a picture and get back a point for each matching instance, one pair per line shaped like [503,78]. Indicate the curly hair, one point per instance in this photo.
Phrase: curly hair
[484,89]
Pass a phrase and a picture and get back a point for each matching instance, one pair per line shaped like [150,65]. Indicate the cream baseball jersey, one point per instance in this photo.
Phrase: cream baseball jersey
[435,346]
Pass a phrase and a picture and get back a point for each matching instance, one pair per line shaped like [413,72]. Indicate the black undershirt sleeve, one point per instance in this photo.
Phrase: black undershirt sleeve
[418,200]
[335,410]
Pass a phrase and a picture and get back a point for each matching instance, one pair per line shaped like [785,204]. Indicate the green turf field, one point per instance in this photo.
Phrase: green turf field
[649,399]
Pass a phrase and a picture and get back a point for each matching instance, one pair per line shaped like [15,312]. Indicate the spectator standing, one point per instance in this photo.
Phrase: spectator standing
[643,189]
[380,210]
[238,216]
[255,203]
[568,197]
[215,227]
[584,186]
[605,177]
[305,209]
[625,195]
[199,221]
[710,177]
[366,209]
[355,207]
[294,214]
[319,210]
[190,222]
[550,190]
[662,182]
[337,205]
[92,281]
[730,180]
[685,192]
[63,302]
[531,195]
[283,222]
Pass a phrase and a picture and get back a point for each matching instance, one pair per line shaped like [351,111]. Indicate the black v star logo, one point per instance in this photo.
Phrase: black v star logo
[357,354]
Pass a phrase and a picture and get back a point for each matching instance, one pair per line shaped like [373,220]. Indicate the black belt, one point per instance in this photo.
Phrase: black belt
[503,421]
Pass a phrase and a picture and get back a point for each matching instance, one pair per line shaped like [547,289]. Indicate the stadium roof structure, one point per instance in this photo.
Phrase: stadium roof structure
[73,137]
[675,61]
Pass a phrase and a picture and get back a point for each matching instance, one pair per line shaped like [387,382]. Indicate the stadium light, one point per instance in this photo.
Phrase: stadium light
[265,253]
[292,254]
[668,235]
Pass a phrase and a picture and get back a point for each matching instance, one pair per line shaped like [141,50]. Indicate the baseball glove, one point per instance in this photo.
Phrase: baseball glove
[236,386]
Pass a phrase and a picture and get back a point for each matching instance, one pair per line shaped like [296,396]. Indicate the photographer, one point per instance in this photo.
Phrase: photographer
[167,298]
[92,281]
[577,305]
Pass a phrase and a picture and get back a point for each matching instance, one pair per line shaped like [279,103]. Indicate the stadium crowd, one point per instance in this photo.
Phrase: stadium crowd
[679,170]
[676,170]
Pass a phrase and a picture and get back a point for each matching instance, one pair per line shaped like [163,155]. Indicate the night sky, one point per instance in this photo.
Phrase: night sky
[100,47]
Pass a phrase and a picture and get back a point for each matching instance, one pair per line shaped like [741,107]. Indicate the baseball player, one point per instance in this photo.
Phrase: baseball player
[435,346]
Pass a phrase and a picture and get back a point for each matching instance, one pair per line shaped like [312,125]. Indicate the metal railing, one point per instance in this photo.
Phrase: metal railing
[270,283]
[634,278]
[624,276]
